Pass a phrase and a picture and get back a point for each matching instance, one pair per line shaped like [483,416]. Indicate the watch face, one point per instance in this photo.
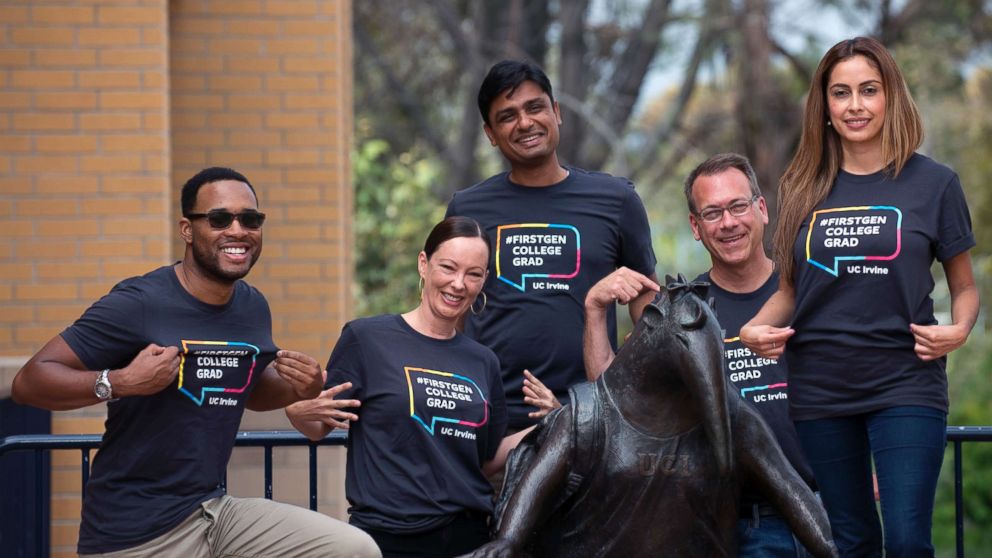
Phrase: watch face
[102,390]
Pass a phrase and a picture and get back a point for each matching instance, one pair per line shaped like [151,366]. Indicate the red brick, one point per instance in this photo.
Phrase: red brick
[237,157]
[253,64]
[16,314]
[317,27]
[289,120]
[292,157]
[131,15]
[131,100]
[65,58]
[292,83]
[132,226]
[66,100]
[110,163]
[15,144]
[10,58]
[293,46]
[42,79]
[46,249]
[75,270]
[132,57]
[70,184]
[132,184]
[291,7]
[69,227]
[154,80]
[111,248]
[131,268]
[13,14]
[254,101]
[35,335]
[196,101]
[321,101]
[62,14]
[326,139]
[115,37]
[155,121]
[311,212]
[254,138]
[234,46]
[235,83]
[106,121]
[133,143]
[65,144]
[234,120]
[197,26]
[181,64]
[48,291]
[16,229]
[231,7]
[109,80]
[153,37]
[46,163]
[42,35]
[198,139]
[254,27]
[111,206]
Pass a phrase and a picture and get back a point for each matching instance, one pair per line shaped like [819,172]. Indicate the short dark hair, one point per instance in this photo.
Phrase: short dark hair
[715,165]
[508,75]
[454,227]
[206,176]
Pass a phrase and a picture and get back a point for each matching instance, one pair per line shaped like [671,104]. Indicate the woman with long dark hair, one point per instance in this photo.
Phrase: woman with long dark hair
[862,216]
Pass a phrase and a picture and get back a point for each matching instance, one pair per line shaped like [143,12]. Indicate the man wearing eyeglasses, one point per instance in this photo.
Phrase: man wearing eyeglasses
[728,215]
[177,354]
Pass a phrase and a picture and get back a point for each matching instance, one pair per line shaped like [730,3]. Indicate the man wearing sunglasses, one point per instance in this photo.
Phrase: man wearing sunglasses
[178,354]
[728,215]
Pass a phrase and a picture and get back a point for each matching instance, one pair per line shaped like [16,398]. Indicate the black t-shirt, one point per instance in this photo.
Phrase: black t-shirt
[164,454]
[862,276]
[762,382]
[550,245]
[432,413]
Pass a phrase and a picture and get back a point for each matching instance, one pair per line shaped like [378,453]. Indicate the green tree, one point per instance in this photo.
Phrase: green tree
[394,212]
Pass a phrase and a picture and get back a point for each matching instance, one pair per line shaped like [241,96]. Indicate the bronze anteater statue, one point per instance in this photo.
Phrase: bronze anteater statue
[647,461]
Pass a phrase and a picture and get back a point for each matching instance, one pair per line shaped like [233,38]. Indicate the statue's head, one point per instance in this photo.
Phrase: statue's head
[680,332]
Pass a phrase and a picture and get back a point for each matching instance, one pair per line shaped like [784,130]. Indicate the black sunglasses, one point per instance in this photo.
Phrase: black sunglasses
[222,219]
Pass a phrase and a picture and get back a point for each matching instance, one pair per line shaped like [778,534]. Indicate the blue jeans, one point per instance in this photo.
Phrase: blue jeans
[767,536]
[907,444]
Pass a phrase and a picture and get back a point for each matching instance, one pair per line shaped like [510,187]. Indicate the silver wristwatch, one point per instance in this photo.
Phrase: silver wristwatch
[102,388]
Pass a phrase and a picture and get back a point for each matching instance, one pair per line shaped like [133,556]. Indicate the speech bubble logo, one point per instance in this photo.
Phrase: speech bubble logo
[214,366]
[536,250]
[437,396]
[861,233]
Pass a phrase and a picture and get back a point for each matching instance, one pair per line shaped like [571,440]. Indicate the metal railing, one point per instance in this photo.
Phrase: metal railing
[956,436]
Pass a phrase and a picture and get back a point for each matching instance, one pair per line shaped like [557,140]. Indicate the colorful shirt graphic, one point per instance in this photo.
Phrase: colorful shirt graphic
[216,367]
[854,234]
[535,251]
[437,396]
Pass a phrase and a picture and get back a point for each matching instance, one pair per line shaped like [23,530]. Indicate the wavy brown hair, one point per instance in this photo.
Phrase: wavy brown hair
[811,174]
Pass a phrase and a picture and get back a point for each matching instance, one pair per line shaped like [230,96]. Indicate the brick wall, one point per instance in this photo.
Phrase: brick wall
[106,107]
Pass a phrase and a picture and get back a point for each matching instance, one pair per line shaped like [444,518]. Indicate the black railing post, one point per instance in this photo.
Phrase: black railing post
[39,509]
[958,500]
[268,472]
[313,476]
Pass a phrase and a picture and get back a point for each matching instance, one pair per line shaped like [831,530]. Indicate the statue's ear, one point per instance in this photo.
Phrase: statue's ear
[696,315]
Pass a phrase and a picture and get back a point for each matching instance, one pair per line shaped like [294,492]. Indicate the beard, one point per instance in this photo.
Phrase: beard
[209,262]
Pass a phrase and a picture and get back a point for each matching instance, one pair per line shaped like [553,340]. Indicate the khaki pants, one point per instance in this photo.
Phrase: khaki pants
[255,528]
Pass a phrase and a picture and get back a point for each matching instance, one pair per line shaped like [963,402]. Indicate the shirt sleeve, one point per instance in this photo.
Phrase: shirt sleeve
[636,251]
[451,211]
[111,331]
[346,364]
[954,233]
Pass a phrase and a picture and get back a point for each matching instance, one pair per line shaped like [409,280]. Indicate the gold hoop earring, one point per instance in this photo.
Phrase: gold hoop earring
[484,302]
[420,287]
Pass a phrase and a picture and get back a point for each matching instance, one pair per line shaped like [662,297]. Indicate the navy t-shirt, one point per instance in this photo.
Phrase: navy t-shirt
[862,276]
[762,382]
[432,413]
[164,454]
[550,245]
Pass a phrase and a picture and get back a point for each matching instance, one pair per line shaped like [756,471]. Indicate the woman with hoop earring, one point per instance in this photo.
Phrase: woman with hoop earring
[424,407]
